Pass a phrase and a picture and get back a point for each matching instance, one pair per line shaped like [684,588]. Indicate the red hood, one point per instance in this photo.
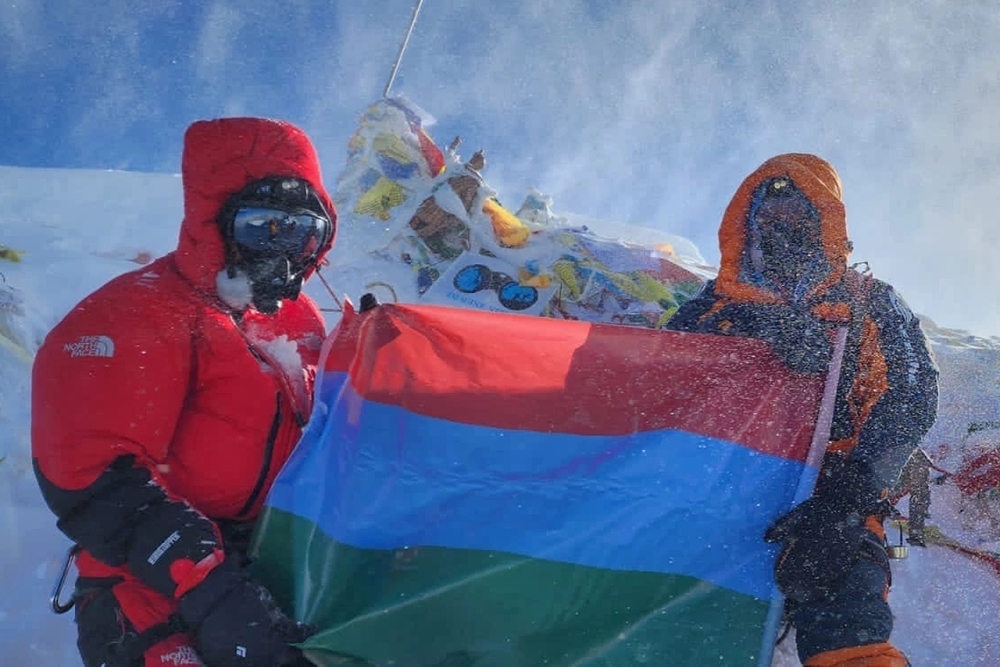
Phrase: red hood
[221,157]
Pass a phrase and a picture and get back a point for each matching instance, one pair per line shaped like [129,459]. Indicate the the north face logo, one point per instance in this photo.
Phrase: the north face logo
[182,655]
[91,346]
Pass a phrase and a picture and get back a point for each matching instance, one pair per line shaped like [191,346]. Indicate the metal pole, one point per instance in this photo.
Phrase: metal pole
[814,459]
[402,47]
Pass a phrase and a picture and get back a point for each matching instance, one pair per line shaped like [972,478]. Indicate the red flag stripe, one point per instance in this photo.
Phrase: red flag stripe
[556,376]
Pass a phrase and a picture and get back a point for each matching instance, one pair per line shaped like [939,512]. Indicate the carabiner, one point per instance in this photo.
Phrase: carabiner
[57,605]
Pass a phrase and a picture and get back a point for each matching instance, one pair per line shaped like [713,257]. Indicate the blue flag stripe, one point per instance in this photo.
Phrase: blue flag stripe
[661,501]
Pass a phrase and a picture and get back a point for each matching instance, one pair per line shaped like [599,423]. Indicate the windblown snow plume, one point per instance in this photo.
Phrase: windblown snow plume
[71,236]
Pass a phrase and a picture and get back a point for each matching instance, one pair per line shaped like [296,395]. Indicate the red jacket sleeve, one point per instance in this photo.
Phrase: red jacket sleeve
[108,386]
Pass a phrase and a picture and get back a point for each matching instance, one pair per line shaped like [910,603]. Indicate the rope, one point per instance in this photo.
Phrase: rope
[933,535]
[941,470]
[340,306]
[395,297]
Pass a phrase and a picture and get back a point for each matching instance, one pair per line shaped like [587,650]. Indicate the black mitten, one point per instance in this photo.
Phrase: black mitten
[826,535]
[797,337]
[822,542]
[801,340]
[236,623]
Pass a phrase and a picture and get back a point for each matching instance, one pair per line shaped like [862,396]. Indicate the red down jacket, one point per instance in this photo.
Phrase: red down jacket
[157,411]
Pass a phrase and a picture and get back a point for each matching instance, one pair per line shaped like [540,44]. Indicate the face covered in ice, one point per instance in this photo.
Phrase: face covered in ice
[786,244]
[274,231]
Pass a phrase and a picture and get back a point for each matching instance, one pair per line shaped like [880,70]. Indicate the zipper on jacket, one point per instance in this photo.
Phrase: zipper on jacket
[268,455]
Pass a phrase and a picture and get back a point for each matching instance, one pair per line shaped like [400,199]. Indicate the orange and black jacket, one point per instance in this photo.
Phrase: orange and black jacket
[887,395]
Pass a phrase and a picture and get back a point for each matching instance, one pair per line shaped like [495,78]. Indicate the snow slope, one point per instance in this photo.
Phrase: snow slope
[75,229]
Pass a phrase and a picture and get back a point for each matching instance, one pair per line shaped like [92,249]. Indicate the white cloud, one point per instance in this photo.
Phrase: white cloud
[676,105]
[671,104]
[216,39]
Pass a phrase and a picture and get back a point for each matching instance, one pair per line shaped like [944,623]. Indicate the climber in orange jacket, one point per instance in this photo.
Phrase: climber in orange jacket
[784,278]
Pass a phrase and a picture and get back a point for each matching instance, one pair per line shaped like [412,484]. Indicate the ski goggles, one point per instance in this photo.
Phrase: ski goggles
[511,294]
[273,232]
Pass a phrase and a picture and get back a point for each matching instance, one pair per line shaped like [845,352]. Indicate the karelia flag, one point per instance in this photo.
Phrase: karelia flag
[499,490]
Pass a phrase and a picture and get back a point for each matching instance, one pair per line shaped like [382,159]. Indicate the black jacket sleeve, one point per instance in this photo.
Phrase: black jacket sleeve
[792,332]
[905,412]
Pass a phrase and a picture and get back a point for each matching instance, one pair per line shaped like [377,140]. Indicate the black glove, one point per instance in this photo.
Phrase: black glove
[236,623]
[826,535]
[800,339]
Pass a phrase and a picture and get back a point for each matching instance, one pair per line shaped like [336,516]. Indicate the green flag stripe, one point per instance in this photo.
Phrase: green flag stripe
[430,606]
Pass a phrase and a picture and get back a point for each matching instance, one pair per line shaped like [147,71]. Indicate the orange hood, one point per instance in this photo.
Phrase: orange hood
[819,182]
[220,158]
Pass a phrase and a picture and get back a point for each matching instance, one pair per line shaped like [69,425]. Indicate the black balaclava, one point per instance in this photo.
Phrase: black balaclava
[786,246]
[272,276]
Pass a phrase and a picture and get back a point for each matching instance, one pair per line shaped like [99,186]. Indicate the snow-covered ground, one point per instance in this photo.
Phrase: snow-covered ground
[75,229]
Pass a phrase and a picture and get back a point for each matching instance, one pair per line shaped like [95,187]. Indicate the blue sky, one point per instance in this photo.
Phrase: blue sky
[631,110]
